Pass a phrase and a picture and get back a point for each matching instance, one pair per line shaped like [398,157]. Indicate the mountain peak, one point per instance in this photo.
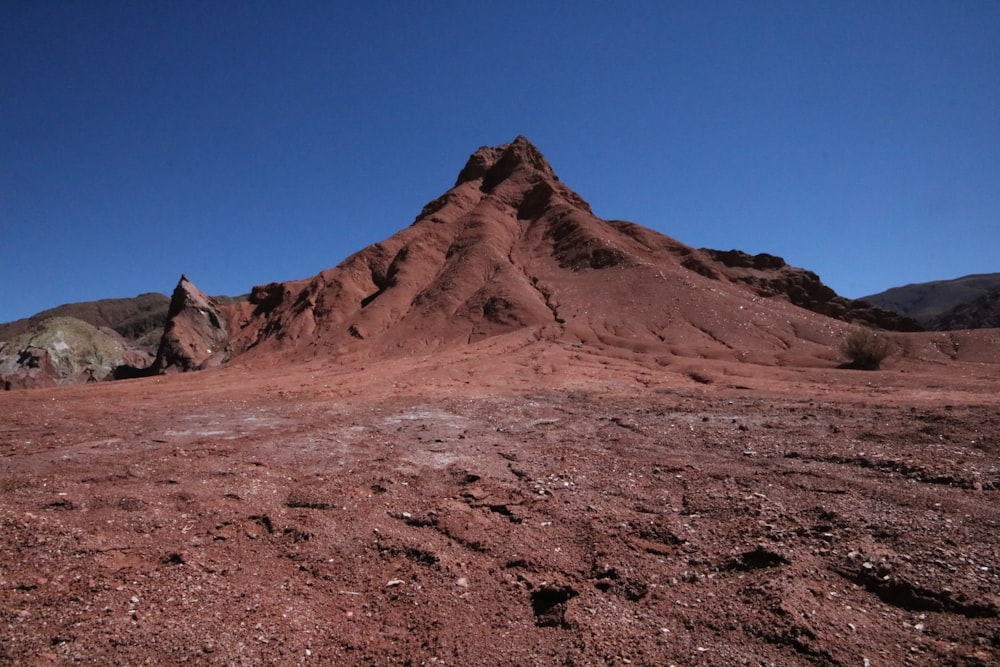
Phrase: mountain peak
[511,251]
[498,163]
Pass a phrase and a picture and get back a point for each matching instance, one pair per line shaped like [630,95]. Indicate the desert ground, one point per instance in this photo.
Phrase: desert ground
[542,504]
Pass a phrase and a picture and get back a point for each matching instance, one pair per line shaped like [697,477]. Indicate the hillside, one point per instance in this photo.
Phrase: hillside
[980,313]
[771,276]
[927,302]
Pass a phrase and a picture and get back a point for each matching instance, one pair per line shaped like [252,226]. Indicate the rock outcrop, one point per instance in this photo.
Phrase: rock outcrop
[770,276]
[196,331]
[64,350]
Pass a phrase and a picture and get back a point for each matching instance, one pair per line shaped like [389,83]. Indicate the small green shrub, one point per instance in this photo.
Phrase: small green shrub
[866,349]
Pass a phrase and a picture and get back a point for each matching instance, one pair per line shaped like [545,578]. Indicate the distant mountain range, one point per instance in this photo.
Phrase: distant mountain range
[971,302]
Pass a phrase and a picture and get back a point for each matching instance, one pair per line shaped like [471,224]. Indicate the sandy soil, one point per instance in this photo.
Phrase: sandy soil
[544,507]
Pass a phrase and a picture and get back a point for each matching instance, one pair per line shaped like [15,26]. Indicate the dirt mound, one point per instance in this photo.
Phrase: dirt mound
[64,350]
[510,250]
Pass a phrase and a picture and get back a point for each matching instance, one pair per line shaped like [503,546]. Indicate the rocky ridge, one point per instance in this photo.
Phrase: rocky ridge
[771,276]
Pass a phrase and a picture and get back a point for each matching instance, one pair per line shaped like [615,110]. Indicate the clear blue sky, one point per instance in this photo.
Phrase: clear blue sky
[244,142]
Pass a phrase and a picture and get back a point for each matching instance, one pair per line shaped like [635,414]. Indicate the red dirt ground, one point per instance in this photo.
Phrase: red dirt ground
[523,503]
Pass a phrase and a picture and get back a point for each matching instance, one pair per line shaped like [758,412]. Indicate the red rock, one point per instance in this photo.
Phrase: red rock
[196,331]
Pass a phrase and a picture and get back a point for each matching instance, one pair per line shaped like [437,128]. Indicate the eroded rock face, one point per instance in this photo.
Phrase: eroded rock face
[30,368]
[461,272]
[490,166]
[196,331]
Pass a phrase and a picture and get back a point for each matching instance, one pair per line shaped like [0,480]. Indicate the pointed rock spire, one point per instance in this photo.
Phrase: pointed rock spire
[196,331]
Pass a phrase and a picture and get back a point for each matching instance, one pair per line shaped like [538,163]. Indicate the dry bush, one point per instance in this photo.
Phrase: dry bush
[866,349]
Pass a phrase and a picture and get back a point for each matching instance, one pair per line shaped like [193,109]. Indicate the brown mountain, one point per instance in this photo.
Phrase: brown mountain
[980,313]
[510,253]
[929,302]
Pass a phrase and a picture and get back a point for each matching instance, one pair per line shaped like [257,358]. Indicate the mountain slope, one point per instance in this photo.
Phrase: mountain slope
[980,313]
[925,302]
[510,250]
